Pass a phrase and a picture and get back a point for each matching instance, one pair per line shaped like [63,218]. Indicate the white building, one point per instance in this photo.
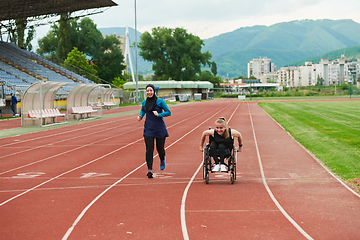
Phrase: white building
[269,77]
[305,72]
[261,66]
[332,72]
[289,76]
[352,72]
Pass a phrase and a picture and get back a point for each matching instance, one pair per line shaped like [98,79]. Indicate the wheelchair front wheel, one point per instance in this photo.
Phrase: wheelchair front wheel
[207,177]
[232,178]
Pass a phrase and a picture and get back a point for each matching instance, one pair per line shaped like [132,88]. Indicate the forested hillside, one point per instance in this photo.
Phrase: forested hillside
[351,54]
[287,43]
[283,43]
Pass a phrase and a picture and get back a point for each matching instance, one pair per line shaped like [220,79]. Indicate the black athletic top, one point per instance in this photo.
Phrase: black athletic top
[228,142]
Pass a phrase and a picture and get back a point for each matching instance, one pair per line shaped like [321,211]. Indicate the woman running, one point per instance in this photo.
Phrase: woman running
[154,127]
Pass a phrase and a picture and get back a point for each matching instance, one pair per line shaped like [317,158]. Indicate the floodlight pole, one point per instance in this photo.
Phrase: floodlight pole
[136,69]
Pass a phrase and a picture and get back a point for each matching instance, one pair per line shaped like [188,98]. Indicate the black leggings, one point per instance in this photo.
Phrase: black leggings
[221,152]
[149,143]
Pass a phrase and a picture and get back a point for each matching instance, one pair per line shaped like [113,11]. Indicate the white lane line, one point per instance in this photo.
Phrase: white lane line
[307,236]
[64,140]
[62,153]
[57,134]
[183,200]
[69,231]
[62,174]
[316,159]
[33,188]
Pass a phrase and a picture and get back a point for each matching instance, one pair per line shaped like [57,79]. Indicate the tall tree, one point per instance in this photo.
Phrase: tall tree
[176,54]
[48,44]
[214,68]
[78,59]
[64,37]
[17,36]
[90,38]
[207,76]
[83,35]
[110,60]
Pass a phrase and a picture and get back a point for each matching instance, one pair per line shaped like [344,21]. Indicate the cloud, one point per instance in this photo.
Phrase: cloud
[209,18]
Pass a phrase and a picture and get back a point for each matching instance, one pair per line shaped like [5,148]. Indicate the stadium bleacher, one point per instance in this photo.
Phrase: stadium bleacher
[20,68]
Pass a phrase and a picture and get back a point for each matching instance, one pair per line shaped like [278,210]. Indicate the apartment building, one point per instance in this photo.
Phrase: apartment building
[260,66]
[269,77]
[352,72]
[305,74]
[332,72]
[336,72]
[289,76]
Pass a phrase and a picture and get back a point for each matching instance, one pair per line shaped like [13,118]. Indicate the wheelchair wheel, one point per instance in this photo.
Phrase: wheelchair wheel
[204,163]
[207,177]
[234,167]
[232,178]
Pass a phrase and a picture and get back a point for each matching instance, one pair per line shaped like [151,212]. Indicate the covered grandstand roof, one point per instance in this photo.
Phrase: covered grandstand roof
[170,84]
[16,9]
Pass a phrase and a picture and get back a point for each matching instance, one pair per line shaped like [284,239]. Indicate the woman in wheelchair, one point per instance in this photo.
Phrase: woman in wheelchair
[221,141]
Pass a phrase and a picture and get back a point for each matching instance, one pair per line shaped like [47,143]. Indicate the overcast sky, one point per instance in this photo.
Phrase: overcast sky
[209,18]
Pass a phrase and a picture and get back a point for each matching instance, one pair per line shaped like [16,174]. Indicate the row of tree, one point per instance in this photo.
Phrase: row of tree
[175,54]
[82,44]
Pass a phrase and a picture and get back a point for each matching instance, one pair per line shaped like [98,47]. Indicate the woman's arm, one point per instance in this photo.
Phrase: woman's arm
[161,103]
[203,137]
[142,111]
[237,134]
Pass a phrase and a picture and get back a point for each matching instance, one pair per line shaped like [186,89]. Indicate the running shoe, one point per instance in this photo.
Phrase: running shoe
[162,164]
[216,168]
[223,168]
[149,173]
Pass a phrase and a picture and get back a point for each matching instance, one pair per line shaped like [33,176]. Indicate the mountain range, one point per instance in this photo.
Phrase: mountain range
[284,43]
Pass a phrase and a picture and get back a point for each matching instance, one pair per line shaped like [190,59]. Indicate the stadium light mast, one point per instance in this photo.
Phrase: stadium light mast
[136,67]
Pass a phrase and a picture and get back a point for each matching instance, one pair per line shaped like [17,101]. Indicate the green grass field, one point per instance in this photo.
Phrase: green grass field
[328,129]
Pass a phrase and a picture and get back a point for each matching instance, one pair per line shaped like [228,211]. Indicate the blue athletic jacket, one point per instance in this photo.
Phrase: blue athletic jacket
[14,100]
[155,126]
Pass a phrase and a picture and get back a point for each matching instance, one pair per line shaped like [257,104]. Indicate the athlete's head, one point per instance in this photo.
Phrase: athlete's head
[221,127]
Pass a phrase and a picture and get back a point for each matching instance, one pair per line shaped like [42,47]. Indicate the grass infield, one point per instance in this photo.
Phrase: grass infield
[328,129]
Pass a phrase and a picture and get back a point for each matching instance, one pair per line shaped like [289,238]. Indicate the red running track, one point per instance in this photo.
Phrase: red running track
[88,182]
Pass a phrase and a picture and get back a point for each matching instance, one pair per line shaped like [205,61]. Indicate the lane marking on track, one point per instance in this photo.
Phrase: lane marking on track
[79,166]
[28,175]
[183,200]
[52,143]
[62,153]
[282,210]
[69,231]
[57,134]
[94,175]
[62,174]
[318,160]
[16,141]
[234,210]
[178,181]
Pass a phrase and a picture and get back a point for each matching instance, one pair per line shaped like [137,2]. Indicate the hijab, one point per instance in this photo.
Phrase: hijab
[150,102]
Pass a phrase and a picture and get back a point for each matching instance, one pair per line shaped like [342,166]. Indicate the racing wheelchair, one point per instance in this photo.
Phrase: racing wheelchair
[230,155]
